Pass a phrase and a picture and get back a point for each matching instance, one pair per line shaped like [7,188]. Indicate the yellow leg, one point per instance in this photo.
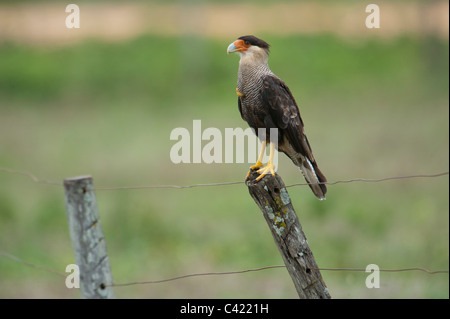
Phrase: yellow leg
[269,168]
[260,157]
[259,161]
[239,93]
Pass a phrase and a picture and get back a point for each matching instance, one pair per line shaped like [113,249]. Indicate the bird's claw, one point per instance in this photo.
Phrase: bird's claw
[254,167]
[269,168]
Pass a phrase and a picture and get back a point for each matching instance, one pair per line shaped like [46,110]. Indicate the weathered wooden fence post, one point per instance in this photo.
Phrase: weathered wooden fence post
[271,196]
[87,237]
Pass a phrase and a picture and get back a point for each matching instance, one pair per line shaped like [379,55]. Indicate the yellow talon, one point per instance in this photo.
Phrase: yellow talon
[264,170]
[239,93]
[253,167]
[257,165]
[269,168]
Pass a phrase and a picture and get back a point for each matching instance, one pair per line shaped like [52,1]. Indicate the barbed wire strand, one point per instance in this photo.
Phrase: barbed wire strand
[272,267]
[12,257]
[194,275]
[372,180]
[430,272]
[30,175]
[366,180]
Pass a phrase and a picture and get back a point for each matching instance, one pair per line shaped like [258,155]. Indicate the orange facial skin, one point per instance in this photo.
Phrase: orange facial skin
[238,46]
[241,46]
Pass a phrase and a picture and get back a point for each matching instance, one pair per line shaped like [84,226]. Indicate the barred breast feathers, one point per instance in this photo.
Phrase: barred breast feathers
[250,78]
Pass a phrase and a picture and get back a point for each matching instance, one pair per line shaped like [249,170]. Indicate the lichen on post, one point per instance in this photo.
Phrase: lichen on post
[272,198]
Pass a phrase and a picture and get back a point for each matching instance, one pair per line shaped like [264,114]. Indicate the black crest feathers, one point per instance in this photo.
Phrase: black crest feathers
[255,41]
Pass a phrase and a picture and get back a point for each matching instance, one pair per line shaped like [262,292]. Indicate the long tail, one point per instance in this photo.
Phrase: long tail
[313,176]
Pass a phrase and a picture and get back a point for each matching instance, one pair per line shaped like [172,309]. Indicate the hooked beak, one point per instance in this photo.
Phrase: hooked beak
[231,48]
[237,46]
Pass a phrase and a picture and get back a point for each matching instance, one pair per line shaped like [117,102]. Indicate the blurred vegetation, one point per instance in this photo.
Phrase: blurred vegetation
[372,109]
[197,1]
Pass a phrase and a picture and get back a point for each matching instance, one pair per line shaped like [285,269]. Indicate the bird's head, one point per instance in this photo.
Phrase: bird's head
[250,46]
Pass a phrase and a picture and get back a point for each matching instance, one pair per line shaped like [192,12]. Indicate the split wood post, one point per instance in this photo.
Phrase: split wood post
[87,237]
[271,196]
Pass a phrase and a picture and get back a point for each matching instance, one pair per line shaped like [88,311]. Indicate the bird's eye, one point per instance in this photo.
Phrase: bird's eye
[247,43]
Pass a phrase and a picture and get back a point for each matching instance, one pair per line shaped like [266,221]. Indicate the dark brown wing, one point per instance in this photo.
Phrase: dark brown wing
[280,105]
[278,101]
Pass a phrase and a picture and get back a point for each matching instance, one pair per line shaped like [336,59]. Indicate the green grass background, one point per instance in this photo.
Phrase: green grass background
[372,109]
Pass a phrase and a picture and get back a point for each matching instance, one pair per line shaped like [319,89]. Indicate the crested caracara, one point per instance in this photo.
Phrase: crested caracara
[266,102]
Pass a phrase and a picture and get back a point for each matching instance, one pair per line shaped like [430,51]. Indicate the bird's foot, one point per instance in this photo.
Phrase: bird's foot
[254,167]
[239,93]
[269,168]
